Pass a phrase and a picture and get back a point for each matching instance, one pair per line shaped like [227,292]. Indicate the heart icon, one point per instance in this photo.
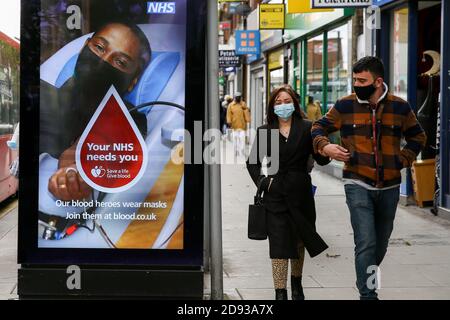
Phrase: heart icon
[101,173]
[94,172]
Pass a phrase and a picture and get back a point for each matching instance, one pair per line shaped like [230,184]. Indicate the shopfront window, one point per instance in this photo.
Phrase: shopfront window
[339,66]
[314,77]
[276,78]
[276,70]
[399,53]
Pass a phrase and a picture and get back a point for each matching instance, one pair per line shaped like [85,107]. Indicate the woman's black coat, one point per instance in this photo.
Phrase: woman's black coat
[292,180]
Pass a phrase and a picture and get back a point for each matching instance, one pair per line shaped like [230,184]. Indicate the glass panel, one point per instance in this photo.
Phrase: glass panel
[314,85]
[399,53]
[276,78]
[339,67]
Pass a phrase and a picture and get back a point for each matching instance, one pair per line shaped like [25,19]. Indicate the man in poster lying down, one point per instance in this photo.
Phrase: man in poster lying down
[117,54]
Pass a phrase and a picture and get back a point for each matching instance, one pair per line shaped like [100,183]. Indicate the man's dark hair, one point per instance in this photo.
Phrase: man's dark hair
[146,51]
[372,64]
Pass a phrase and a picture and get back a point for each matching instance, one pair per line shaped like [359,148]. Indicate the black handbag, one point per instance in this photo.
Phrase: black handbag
[257,224]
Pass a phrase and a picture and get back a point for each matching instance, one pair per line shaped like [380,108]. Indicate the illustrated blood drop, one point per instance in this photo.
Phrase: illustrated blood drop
[111,154]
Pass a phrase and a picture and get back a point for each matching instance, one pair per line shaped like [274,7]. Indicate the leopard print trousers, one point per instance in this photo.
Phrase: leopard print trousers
[280,268]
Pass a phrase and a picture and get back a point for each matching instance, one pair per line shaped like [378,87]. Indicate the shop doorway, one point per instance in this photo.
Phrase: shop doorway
[257,99]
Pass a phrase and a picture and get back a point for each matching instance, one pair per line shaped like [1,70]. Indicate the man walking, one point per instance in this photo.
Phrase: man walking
[372,123]
[238,116]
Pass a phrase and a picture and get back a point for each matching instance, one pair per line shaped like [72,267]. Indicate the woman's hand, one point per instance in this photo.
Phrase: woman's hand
[265,183]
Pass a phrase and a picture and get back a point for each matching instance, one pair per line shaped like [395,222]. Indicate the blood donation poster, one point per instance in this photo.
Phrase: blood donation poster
[112,92]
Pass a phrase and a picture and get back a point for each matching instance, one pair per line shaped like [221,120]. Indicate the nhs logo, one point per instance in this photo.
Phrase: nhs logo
[161,7]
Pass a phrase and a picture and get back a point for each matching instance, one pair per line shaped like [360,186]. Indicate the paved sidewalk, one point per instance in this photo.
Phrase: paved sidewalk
[8,252]
[417,265]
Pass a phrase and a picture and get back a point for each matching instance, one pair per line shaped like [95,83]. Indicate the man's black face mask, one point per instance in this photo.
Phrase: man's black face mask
[365,92]
[94,76]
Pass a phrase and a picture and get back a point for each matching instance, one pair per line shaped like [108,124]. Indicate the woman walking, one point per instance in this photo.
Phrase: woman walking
[288,196]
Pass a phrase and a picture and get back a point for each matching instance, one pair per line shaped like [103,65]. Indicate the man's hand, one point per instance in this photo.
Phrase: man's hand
[66,184]
[336,152]
[67,158]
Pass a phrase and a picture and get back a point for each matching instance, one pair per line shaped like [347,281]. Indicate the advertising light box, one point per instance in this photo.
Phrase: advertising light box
[107,85]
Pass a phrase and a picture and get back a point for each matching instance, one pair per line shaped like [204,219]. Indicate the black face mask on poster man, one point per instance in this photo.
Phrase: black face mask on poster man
[94,76]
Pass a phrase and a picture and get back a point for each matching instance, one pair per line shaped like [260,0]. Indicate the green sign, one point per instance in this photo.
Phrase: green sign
[299,24]
[221,81]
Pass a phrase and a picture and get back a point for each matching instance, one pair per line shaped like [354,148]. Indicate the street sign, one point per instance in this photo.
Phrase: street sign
[252,58]
[271,16]
[228,58]
[318,4]
[248,42]
[120,206]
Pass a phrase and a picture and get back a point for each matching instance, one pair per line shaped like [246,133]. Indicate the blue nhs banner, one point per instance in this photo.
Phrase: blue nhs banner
[161,7]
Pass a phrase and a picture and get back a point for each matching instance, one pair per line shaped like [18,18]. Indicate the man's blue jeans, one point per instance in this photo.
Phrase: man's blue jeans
[372,215]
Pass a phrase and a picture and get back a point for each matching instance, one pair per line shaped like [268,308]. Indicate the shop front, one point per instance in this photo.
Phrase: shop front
[417,70]
[257,99]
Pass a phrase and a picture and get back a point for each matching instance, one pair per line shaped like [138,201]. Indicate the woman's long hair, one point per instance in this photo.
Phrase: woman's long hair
[271,116]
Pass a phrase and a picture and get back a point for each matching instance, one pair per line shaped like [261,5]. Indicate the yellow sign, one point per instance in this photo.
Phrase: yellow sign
[271,16]
[303,6]
[276,59]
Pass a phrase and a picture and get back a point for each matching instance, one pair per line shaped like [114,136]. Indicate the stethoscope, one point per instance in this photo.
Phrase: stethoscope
[58,228]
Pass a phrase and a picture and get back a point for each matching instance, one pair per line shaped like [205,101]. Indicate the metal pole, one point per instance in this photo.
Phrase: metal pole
[214,169]
[206,200]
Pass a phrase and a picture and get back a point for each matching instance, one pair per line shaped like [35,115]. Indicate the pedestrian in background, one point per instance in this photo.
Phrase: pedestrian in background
[372,123]
[13,144]
[223,113]
[238,118]
[288,195]
[313,110]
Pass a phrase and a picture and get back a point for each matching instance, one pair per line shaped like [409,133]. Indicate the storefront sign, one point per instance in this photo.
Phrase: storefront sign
[298,25]
[317,4]
[248,42]
[302,6]
[276,59]
[381,2]
[228,58]
[271,16]
[252,58]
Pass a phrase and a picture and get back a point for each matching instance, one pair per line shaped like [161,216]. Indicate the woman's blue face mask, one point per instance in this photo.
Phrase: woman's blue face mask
[284,111]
